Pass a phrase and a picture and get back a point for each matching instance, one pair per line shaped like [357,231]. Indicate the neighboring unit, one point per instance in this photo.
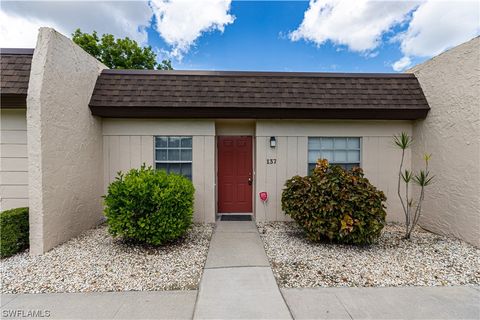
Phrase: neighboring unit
[15,74]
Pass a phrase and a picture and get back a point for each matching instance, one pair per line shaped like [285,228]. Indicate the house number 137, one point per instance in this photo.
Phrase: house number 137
[271,161]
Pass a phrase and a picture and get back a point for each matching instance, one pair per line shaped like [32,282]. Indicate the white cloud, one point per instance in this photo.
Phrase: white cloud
[433,25]
[402,64]
[19,32]
[181,22]
[20,20]
[439,25]
[357,24]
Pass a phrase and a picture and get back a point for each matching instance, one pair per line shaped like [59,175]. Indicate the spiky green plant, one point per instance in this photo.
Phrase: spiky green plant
[423,178]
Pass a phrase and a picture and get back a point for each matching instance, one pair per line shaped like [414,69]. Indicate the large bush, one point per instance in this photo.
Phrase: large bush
[14,231]
[149,206]
[336,205]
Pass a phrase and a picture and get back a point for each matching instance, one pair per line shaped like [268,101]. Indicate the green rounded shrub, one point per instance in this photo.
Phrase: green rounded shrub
[14,231]
[334,204]
[149,206]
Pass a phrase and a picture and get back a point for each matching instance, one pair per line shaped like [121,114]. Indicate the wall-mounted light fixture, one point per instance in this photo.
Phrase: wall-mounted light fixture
[273,142]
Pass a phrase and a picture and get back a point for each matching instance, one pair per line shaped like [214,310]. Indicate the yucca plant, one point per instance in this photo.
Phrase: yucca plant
[423,178]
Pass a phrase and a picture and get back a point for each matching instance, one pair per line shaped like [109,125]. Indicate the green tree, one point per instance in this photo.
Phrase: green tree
[119,53]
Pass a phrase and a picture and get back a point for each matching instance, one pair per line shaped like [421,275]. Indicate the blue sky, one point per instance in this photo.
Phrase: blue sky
[258,40]
[314,35]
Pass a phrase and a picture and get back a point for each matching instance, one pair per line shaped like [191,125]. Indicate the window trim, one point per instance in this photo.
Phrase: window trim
[360,162]
[155,161]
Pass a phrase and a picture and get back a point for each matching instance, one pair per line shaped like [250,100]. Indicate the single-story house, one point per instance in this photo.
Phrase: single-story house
[69,125]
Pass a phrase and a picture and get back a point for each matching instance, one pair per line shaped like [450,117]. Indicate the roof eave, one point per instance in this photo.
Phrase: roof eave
[20,51]
[258,113]
[13,101]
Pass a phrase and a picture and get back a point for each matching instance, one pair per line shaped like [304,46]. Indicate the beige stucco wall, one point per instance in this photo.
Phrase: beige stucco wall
[451,132]
[379,158]
[128,143]
[13,159]
[64,142]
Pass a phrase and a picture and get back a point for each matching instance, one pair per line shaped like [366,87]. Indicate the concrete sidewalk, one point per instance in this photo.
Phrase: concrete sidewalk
[238,283]
[315,303]
[100,305]
[384,303]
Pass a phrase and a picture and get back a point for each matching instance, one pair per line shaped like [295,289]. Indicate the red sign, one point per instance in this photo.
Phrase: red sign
[263,196]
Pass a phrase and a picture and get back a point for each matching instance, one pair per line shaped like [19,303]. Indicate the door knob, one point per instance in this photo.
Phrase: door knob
[249,181]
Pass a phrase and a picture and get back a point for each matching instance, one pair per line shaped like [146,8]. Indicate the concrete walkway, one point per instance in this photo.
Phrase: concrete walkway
[238,283]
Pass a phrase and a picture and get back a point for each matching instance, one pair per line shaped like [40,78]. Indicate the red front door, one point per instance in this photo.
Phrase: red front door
[235,165]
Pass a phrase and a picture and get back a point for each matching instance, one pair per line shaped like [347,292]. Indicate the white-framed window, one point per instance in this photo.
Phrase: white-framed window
[174,154]
[342,151]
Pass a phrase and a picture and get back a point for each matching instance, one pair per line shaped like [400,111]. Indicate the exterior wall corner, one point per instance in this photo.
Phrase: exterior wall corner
[451,133]
[64,142]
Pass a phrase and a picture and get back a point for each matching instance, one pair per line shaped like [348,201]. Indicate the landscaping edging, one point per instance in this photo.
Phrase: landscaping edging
[426,260]
[95,262]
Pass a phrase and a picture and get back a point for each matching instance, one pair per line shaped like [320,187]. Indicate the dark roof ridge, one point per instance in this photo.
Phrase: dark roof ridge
[256,73]
[25,51]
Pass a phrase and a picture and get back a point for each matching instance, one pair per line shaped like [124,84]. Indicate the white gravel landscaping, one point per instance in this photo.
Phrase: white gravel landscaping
[426,260]
[95,261]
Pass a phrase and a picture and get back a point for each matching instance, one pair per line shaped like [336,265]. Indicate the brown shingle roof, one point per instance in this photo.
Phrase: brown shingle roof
[15,73]
[194,94]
